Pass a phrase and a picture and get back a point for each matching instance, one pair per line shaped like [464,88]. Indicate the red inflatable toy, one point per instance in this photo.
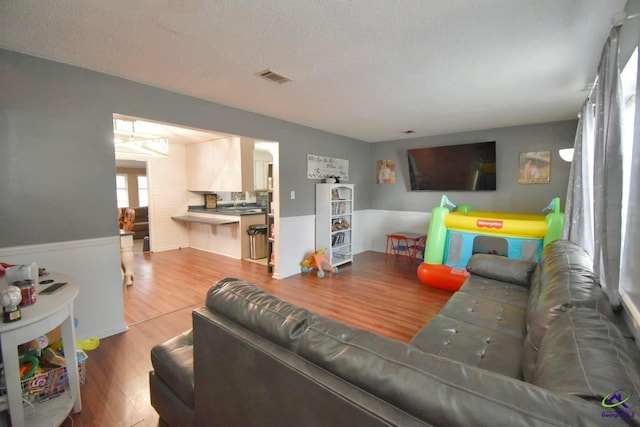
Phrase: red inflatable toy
[442,276]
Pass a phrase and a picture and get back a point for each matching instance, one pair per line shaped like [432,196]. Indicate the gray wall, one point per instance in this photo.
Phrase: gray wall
[57,164]
[509,196]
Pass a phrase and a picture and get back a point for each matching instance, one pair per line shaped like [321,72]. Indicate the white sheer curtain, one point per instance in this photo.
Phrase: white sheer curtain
[579,205]
[605,177]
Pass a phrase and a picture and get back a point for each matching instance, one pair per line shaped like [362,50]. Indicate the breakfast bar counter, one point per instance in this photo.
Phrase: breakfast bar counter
[221,231]
[205,220]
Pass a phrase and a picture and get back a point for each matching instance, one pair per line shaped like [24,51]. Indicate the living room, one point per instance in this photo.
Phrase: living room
[57,206]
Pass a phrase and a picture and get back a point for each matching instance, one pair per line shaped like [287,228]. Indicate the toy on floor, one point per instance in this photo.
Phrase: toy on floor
[316,260]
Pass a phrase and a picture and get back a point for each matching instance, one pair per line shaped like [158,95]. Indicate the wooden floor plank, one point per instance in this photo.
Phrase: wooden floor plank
[377,293]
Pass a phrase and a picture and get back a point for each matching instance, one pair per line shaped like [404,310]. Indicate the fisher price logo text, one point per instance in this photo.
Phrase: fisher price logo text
[489,224]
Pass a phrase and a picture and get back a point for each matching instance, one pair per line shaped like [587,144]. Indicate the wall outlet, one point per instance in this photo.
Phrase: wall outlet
[293,194]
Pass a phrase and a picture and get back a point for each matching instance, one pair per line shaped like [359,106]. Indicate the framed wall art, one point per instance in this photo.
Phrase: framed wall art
[534,167]
[386,172]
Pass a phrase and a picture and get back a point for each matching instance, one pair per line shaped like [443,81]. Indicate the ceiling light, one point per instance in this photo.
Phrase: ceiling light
[566,154]
[127,140]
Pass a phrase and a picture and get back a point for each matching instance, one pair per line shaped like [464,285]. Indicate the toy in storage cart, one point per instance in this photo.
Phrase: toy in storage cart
[48,382]
[52,382]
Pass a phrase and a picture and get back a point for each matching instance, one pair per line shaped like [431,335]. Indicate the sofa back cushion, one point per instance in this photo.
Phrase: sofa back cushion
[501,268]
[432,388]
[583,354]
[565,280]
[558,255]
[258,311]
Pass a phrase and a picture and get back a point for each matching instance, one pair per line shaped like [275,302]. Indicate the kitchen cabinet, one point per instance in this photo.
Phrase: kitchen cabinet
[261,161]
[220,165]
[334,221]
[260,173]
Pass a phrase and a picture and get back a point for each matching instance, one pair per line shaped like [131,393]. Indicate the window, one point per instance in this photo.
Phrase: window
[122,192]
[629,289]
[143,191]
[628,77]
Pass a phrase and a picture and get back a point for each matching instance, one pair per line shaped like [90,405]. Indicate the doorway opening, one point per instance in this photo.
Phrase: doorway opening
[156,155]
[161,181]
[132,191]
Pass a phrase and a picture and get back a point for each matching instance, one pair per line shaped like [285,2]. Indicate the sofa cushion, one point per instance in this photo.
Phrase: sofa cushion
[584,355]
[502,268]
[496,290]
[560,293]
[565,280]
[173,364]
[471,344]
[258,311]
[559,256]
[435,389]
[498,316]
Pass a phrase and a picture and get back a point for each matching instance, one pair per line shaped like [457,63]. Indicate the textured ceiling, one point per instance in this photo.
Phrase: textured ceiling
[368,69]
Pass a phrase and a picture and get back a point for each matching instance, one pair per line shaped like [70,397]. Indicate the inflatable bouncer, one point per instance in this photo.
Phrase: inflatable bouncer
[457,232]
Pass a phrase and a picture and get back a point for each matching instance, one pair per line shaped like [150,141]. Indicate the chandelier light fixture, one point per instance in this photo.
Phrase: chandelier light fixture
[128,141]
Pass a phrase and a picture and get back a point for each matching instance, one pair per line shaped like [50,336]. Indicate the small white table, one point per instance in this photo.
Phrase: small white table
[126,256]
[49,311]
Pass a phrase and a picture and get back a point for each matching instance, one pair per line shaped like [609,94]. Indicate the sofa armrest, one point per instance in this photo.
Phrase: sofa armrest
[501,268]
[242,378]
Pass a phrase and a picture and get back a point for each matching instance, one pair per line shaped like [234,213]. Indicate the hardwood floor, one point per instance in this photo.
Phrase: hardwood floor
[376,293]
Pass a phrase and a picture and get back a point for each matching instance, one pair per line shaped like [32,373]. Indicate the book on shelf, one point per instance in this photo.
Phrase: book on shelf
[337,239]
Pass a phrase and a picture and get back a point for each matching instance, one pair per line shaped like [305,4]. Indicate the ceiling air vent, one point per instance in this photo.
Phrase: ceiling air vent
[273,76]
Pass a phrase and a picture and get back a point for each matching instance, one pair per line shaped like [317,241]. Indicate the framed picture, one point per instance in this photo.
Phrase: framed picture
[386,172]
[534,167]
[335,194]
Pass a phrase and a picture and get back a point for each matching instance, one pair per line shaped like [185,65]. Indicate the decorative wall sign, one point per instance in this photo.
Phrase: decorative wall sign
[319,167]
[386,172]
[534,167]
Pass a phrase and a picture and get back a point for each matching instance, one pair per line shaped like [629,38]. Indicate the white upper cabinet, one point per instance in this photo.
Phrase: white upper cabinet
[261,161]
[221,165]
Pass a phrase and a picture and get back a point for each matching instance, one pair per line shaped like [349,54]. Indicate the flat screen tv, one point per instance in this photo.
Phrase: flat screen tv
[465,167]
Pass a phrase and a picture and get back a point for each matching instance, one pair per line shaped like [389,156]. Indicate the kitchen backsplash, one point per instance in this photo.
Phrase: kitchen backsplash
[227,198]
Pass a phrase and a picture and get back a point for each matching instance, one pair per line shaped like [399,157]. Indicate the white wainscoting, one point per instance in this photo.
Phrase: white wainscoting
[95,264]
[376,224]
[297,240]
[370,227]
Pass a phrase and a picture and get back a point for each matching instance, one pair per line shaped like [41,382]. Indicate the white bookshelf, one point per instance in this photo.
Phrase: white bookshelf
[334,220]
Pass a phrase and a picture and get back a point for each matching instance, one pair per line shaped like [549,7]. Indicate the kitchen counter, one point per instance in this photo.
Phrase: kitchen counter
[230,210]
[201,220]
[222,231]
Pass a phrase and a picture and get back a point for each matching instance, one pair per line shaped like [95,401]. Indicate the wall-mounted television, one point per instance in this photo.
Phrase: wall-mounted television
[465,167]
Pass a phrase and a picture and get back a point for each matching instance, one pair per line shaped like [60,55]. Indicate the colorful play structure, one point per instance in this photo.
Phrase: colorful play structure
[457,232]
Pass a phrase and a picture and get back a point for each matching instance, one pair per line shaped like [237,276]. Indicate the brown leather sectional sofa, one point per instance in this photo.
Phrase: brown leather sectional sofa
[519,344]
